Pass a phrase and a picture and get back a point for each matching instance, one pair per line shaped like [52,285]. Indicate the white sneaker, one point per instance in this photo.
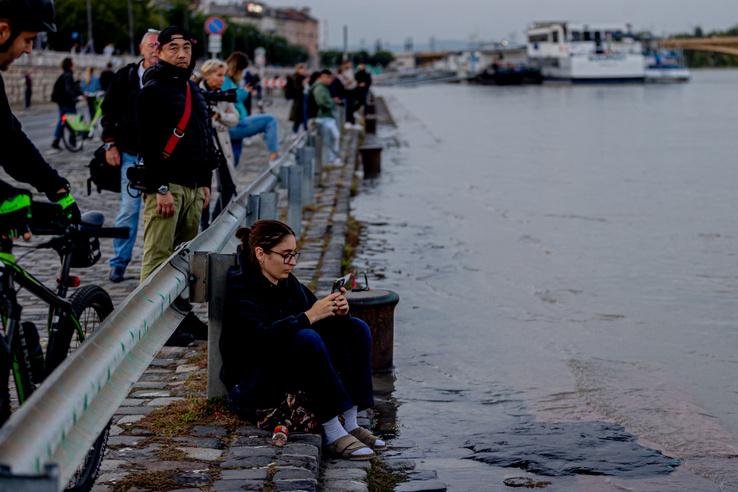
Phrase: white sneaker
[348,125]
[247,141]
[337,162]
[294,136]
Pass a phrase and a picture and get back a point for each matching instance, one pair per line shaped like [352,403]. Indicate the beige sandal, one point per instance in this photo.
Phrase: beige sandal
[367,438]
[345,446]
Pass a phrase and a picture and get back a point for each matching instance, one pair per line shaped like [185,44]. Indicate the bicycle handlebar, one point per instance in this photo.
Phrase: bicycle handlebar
[114,232]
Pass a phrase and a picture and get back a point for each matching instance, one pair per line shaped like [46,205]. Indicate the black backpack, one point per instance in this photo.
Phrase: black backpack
[58,92]
[102,174]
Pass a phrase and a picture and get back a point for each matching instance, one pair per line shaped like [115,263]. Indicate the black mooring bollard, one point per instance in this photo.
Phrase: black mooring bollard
[370,124]
[377,309]
[371,158]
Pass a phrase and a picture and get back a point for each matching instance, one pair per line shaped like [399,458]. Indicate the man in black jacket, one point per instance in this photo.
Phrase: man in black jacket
[66,93]
[174,138]
[20,23]
[120,133]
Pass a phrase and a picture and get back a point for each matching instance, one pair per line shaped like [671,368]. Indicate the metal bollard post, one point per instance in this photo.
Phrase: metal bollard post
[294,204]
[370,124]
[371,158]
[376,308]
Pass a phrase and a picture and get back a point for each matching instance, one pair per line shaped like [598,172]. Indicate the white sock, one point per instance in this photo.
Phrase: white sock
[333,430]
[350,416]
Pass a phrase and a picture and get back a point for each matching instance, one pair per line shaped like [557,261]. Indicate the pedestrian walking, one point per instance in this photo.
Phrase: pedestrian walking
[295,90]
[90,86]
[28,80]
[65,94]
[120,134]
[325,115]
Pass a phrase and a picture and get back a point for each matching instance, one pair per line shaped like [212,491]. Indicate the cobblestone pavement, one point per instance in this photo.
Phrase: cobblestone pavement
[210,455]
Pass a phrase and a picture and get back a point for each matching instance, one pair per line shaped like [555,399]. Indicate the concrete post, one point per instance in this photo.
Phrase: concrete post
[319,152]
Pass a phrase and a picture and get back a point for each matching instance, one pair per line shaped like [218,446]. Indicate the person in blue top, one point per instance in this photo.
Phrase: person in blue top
[90,85]
[248,125]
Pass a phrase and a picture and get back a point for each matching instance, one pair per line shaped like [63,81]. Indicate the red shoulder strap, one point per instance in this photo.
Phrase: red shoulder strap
[180,128]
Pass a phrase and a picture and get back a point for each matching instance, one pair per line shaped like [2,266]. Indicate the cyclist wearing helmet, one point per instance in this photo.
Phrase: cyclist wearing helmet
[20,23]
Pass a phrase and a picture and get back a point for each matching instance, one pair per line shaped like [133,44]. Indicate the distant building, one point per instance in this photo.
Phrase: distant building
[293,24]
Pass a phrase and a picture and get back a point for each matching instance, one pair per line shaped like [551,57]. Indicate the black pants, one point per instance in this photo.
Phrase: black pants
[331,363]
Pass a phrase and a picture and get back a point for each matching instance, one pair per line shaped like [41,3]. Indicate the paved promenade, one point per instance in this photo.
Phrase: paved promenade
[164,437]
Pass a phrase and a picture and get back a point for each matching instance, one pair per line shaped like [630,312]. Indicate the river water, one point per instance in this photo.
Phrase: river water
[566,264]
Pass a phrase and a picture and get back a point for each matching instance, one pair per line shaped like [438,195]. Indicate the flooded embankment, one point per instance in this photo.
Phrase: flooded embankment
[565,259]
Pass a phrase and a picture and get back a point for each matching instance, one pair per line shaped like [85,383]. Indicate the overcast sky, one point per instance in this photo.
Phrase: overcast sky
[395,20]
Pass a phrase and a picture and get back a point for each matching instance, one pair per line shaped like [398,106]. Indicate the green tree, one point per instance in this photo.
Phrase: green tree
[110,23]
[382,58]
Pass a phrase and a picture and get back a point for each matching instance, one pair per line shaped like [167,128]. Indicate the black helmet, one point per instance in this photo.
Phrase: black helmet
[29,15]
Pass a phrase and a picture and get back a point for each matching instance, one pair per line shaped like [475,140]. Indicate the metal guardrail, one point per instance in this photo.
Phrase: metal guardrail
[47,437]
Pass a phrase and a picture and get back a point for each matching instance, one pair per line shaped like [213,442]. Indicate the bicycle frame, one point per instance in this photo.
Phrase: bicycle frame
[60,310]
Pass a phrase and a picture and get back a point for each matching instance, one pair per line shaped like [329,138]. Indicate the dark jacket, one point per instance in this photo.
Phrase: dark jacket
[159,108]
[365,77]
[106,77]
[258,318]
[296,90]
[337,89]
[65,91]
[20,158]
[119,109]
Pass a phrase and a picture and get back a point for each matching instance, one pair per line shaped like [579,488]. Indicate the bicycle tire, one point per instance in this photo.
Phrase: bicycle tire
[91,304]
[72,140]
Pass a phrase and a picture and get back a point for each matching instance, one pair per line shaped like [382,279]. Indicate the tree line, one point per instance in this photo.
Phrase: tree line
[110,25]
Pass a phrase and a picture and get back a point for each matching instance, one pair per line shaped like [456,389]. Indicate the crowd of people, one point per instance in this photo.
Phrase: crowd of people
[161,123]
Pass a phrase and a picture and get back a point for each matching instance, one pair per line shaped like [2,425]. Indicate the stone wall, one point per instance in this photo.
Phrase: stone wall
[45,69]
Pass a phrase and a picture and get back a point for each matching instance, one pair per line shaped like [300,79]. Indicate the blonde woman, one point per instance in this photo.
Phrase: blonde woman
[90,85]
[225,116]
[248,125]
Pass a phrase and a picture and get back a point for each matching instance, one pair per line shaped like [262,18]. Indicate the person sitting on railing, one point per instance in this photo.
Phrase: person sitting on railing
[278,337]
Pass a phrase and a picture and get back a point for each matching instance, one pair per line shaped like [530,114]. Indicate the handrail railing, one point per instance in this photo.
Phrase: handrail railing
[68,411]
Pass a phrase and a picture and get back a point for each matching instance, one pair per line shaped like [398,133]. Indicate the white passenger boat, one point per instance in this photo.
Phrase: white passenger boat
[586,53]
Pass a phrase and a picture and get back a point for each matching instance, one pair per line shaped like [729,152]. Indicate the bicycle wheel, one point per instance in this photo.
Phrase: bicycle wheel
[91,304]
[71,139]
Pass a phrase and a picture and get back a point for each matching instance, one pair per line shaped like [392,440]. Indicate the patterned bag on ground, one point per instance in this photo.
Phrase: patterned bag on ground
[293,413]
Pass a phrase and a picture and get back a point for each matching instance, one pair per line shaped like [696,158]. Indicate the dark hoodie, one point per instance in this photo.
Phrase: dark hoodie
[159,108]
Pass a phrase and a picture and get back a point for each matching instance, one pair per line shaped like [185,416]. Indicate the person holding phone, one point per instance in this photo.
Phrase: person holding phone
[294,341]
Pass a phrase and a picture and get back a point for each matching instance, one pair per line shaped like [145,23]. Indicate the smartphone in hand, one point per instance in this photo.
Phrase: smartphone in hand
[340,282]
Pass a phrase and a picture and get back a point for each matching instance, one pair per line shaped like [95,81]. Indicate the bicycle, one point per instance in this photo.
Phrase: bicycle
[75,130]
[69,321]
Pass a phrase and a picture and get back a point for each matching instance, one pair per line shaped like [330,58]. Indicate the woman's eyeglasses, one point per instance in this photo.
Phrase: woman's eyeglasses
[288,256]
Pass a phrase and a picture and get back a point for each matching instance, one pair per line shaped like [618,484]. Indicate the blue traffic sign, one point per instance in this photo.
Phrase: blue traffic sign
[215,25]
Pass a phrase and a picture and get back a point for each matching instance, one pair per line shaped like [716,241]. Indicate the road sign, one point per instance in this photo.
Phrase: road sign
[215,44]
[215,25]
[260,57]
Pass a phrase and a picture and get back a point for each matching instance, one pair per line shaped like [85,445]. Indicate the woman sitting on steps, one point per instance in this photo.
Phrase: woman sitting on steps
[278,338]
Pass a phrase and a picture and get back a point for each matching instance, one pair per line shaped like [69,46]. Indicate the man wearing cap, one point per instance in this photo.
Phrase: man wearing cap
[120,133]
[174,143]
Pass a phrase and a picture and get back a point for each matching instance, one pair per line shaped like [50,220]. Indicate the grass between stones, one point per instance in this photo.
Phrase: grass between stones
[382,477]
[147,480]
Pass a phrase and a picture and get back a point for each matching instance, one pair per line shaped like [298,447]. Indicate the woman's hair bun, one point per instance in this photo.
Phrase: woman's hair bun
[243,234]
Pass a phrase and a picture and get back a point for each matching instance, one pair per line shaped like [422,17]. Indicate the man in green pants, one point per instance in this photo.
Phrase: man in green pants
[174,140]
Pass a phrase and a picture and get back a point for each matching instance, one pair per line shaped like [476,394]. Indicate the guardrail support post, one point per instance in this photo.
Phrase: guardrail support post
[46,482]
[252,212]
[207,284]
[294,204]
[305,161]
[268,206]
[318,151]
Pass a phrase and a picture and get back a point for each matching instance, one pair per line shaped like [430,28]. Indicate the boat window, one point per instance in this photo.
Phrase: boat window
[576,36]
[538,38]
[555,36]
[587,36]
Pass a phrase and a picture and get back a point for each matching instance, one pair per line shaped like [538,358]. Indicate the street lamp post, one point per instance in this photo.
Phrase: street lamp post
[130,26]
[89,27]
